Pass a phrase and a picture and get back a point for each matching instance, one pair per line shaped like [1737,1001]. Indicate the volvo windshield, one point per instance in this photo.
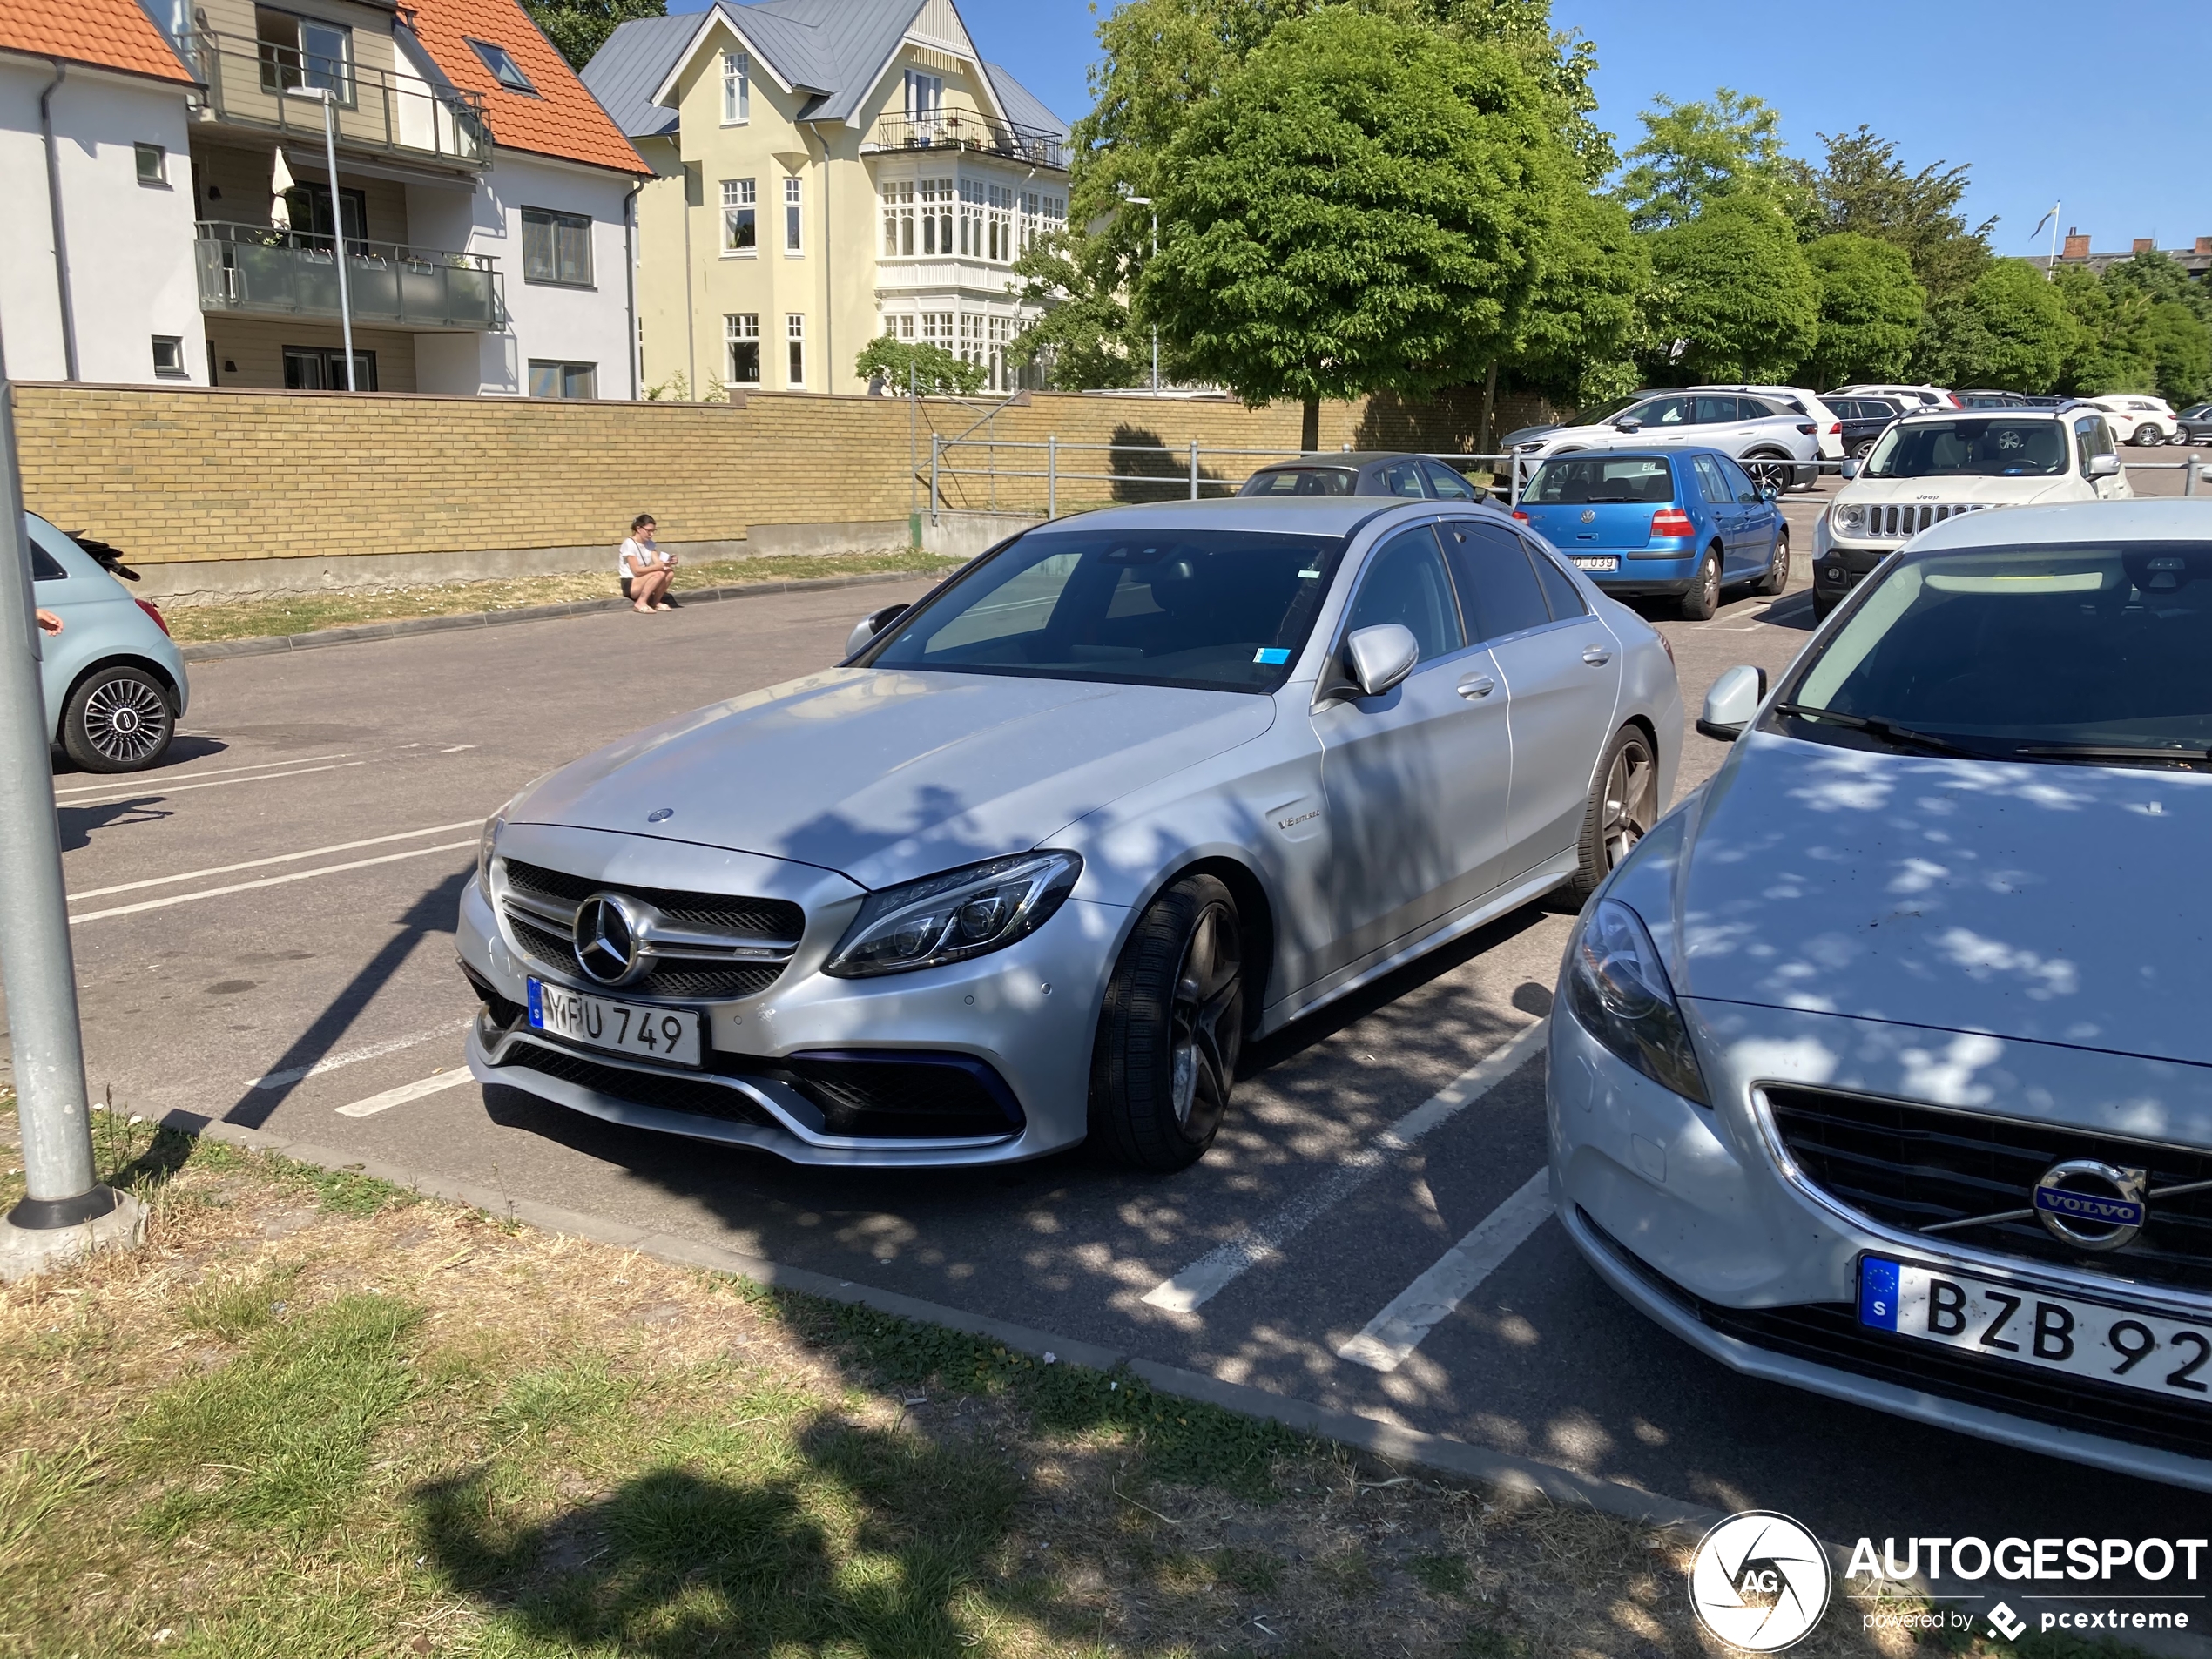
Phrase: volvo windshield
[2088,654]
[1218,610]
[1972,446]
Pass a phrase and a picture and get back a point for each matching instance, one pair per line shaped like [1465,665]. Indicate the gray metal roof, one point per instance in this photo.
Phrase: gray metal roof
[834,49]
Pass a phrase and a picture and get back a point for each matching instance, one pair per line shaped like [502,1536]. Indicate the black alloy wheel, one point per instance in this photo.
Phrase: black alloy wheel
[1771,473]
[1776,580]
[117,719]
[1863,448]
[1624,805]
[1171,1030]
[1705,596]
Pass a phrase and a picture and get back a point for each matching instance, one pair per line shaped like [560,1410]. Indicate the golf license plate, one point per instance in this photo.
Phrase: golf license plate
[1596,564]
[2109,1341]
[621,1028]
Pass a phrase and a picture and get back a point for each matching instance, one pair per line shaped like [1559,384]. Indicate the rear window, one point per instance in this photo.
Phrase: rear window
[1302,481]
[46,544]
[1593,481]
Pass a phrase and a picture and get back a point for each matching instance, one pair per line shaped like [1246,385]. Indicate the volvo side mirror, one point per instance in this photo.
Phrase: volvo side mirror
[1379,657]
[870,625]
[1730,706]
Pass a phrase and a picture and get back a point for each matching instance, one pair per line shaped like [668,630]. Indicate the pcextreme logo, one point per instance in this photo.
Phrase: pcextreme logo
[1759,1581]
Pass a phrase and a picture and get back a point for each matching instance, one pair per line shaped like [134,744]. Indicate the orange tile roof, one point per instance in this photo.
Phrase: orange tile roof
[107,34]
[564,120]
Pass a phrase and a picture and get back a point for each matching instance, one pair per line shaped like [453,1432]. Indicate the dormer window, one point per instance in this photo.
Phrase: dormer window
[503,67]
[924,96]
[737,89]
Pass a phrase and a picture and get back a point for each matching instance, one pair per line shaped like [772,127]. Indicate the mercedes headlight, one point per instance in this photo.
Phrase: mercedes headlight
[949,918]
[1620,993]
[487,845]
[1847,518]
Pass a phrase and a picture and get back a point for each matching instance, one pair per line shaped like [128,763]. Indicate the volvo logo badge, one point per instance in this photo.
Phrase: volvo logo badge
[2092,1205]
[606,939]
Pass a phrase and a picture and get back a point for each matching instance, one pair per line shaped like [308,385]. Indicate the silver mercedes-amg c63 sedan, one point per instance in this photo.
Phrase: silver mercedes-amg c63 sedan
[1033,863]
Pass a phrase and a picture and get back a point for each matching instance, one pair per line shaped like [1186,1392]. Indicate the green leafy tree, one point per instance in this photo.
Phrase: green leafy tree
[2011,329]
[935,372]
[578,27]
[2182,349]
[1584,326]
[1695,154]
[1871,309]
[2156,276]
[1082,341]
[2111,348]
[2176,331]
[1360,208]
[1735,298]
[1863,188]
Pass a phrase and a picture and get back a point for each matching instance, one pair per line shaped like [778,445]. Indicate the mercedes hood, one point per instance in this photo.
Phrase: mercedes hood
[885,776]
[2050,903]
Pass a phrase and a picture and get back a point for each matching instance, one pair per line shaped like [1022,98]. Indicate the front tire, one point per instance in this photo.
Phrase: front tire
[1777,577]
[119,718]
[1705,596]
[1170,1029]
[1770,472]
[1624,805]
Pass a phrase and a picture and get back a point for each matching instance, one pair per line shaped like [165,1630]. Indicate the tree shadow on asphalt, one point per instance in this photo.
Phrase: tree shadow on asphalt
[79,823]
[429,916]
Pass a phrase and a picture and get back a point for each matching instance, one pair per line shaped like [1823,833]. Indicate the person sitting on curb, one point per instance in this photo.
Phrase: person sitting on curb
[645,570]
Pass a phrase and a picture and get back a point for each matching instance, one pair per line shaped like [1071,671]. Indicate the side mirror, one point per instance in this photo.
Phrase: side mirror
[1379,657]
[1730,706]
[870,625]
[2104,466]
[1628,423]
[1850,467]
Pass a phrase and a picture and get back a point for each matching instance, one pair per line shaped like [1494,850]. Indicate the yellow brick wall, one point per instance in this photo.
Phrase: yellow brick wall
[199,473]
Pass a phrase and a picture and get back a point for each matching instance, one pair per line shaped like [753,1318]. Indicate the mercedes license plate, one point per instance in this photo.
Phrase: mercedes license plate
[1597,565]
[621,1027]
[2109,1341]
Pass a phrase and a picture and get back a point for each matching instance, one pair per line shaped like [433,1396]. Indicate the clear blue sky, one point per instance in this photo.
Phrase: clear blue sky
[2083,103]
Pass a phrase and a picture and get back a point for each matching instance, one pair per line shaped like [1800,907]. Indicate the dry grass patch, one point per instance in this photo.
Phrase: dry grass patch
[319,1416]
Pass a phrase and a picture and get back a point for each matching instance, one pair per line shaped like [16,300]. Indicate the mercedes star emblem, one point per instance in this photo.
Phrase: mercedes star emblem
[606,939]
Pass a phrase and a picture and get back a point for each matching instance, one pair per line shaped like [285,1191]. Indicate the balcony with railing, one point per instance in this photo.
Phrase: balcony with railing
[252,269]
[255,83]
[964,130]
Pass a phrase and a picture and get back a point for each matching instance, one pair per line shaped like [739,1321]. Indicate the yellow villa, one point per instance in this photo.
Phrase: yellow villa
[827,171]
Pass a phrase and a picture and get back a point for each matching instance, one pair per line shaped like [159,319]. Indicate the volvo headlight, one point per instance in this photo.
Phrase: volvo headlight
[1847,518]
[951,917]
[1620,993]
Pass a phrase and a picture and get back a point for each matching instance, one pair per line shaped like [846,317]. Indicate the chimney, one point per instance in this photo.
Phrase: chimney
[2146,244]
[2204,244]
[2077,245]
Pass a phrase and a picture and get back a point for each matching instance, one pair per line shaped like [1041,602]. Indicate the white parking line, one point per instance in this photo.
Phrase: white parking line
[1212,1272]
[114,792]
[353,1056]
[1421,1306]
[405,1092]
[279,858]
[220,771]
[266,881]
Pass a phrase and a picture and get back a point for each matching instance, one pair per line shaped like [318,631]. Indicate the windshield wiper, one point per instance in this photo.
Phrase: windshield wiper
[1889,731]
[2176,756]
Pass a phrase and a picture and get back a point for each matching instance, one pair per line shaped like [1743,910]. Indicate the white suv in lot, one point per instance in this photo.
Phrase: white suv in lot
[2137,419]
[1936,465]
[1763,433]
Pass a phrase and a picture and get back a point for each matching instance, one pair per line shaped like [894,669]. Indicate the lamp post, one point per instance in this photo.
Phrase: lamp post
[1146,201]
[327,98]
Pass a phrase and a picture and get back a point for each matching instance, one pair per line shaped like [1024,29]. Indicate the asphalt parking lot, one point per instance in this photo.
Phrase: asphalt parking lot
[263,934]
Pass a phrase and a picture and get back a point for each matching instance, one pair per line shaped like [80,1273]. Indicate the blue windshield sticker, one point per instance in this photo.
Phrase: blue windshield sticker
[1274,655]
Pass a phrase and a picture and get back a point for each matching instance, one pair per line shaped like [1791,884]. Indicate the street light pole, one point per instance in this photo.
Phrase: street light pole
[329,100]
[64,1208]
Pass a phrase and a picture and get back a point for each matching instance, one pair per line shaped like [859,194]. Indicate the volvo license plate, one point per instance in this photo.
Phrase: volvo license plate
[670,1034]
[1596,564]
[2112,1342]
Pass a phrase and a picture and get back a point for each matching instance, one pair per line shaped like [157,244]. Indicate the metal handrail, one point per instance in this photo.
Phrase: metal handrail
[396,113]
[357,248]
[961,130]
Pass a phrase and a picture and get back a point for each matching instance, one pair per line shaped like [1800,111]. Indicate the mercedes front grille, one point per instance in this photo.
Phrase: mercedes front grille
[698,947]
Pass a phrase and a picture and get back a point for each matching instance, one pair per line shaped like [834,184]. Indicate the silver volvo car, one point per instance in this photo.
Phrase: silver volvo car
[1882,1066]
[1032,865]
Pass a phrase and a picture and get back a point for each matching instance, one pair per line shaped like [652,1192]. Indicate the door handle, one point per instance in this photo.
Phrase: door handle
[1477,685]
[1597,656]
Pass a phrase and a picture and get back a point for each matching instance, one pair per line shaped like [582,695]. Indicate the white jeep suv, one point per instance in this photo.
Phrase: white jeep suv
[1938,464]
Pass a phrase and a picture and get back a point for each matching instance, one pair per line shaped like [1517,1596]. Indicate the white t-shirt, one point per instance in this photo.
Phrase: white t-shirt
[645,558]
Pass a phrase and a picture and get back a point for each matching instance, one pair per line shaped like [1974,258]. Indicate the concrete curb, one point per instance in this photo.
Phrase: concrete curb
[216,650]
[1435,1453]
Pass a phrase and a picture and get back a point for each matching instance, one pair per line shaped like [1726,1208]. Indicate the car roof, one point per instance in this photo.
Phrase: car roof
[2169,519]
[1341,458]
[2009,409]
[1294,515]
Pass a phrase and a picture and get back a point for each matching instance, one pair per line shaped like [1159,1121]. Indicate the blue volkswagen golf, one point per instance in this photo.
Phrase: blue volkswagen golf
[1688,523]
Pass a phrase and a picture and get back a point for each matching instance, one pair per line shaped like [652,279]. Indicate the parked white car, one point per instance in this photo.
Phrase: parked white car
[1934,466]
[1909,397]
[1760,432]
[1831,435]
[2137,419]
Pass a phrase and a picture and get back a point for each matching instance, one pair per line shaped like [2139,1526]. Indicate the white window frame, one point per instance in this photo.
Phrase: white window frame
[152,161]
[169,358]
[739,202]
[741,328]
[795,350]
[794,217]
[737,89]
